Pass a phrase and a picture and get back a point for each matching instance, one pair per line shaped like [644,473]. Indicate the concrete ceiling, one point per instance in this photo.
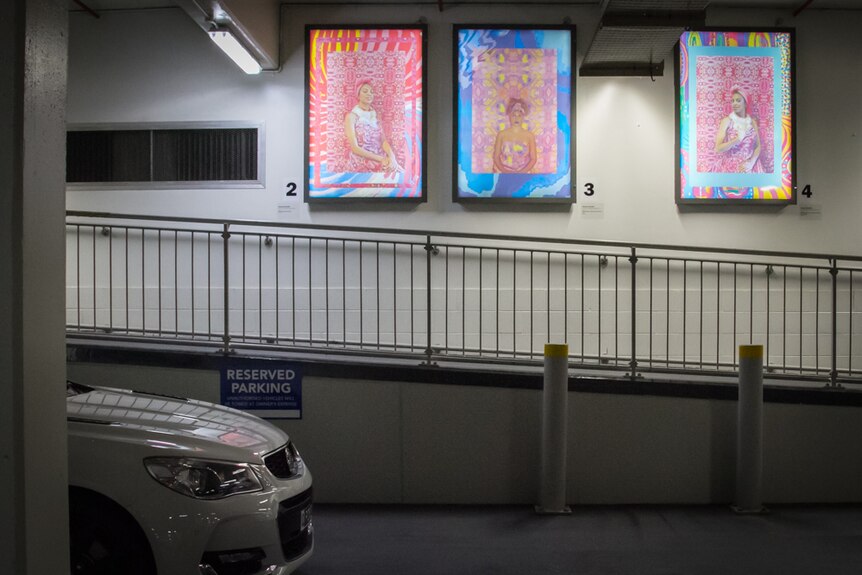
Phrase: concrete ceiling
[644,4]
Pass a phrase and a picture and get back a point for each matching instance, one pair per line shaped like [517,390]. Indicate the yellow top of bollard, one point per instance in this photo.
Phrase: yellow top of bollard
[750,351]
[556,350]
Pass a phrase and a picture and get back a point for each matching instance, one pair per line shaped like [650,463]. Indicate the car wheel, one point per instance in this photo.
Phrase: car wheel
[105,540]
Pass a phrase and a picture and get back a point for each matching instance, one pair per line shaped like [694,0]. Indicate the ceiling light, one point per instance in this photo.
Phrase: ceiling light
[237,52]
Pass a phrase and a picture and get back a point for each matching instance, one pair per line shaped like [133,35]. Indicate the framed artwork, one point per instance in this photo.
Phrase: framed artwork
[735,117]
[514,127]
[365,113]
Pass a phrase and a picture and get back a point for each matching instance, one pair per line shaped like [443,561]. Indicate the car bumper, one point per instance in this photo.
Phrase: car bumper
[263,533]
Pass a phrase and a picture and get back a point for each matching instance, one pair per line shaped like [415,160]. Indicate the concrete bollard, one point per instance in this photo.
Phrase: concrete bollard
[552,482]
[749,432]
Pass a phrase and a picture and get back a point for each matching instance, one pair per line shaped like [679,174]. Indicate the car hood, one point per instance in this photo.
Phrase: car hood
[184,424]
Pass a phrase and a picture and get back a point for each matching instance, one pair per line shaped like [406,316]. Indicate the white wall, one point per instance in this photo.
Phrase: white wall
[395,442]
[157,66]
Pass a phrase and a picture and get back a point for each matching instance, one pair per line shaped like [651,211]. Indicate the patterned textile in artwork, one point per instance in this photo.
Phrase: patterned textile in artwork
[502,74]
[717,76]
[346,72]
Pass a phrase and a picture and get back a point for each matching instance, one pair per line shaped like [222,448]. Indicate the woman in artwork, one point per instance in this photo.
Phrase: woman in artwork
[737,141]
[515,146]
[369,149]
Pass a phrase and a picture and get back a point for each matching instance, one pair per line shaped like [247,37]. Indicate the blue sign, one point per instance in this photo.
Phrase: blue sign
[265,389]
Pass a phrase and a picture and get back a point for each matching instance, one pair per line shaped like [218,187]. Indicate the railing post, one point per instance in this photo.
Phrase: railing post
[430,250]
[633,364]
[226,335]
[833,271]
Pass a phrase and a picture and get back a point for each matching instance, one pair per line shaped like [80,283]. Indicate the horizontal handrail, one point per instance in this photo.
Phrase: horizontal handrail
[475,236]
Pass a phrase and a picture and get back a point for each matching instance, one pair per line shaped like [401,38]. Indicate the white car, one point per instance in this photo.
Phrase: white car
[171,486]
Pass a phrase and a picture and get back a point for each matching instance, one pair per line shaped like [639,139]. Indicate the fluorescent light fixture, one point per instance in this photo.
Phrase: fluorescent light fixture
[237,52]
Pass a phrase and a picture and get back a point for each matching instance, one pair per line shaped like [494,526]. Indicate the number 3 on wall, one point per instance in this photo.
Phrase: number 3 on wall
[589,189]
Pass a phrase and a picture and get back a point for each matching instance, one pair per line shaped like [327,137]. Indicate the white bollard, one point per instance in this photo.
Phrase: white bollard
[749,431]
[552,483]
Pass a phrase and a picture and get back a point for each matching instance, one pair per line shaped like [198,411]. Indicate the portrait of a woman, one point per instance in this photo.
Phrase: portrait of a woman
[515,146]
[369,149]
[737,140]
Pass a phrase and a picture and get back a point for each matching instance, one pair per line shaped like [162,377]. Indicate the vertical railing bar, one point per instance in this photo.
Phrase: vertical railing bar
[260,338]
[633,363]
[801,330]
[395,297]
[126,281]
[361,303]
[548,298]
[110,279]
[226,295]
[192,280]
[143,284]
[209,287]
[651,259]
[428,330]
[583,309]
[428,253]
[377,286]
[717,316]
[159,278]
[667,313]
[767,347]
[817,321]
[751,305]
[78,270]
[344,292]
[700,314]
[243,292]
[481,333]
[95,324]
[497,303]
[684,310]
[599,283]
[310,294]
[566,298]
[464,300]
[532,288]
[176,285]
[446,303]
[326,287]
[784,319]
[616,310]
[277,295]
[734,344]
[833,271]
[850,329]
[514,302]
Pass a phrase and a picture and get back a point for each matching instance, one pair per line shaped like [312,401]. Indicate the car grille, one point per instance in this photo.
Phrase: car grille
[296,534]
[279,462]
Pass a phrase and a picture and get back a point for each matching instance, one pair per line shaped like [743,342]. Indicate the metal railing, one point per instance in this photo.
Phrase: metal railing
[635,308]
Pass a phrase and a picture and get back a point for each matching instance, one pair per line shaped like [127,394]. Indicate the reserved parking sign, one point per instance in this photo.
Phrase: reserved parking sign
[266,389]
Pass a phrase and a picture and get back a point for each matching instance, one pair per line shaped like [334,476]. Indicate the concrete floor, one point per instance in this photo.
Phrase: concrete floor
[620,540]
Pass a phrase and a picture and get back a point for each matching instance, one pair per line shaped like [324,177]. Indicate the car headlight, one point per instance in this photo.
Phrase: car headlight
[203,479]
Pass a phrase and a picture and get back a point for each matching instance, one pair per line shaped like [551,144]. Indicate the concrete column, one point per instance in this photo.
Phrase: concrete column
[33,458]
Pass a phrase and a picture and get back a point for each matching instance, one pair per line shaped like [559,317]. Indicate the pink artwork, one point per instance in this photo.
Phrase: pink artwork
[727,136]
[346,73]
[514,111]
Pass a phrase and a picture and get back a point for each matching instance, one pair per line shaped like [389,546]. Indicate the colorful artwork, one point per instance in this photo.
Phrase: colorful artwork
[735,117]
[513,128]
[365,94]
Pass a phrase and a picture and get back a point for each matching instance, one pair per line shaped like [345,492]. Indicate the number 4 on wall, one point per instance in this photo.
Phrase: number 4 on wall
[806,191]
